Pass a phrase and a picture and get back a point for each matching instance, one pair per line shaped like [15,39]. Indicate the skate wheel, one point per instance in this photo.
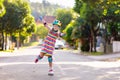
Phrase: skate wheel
[50,74]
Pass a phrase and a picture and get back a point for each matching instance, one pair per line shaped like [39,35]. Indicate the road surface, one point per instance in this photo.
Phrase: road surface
[20,65]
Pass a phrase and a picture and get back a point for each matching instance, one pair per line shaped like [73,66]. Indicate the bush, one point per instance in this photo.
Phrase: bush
[85,46]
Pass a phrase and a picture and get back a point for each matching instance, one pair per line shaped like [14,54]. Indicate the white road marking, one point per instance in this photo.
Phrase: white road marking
[96,64]
[61,69]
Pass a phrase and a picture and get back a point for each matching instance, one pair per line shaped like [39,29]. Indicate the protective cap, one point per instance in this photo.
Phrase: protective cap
[57,22]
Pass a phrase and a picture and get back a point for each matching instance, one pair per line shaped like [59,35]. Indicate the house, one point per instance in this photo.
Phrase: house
[48,19]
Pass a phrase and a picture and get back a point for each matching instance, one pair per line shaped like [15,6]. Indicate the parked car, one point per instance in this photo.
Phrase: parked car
[40,41]
[59,44]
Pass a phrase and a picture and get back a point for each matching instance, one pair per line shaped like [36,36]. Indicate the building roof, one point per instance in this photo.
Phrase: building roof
[48,19]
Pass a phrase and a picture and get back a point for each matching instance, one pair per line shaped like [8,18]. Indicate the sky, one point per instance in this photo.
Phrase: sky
[65,3]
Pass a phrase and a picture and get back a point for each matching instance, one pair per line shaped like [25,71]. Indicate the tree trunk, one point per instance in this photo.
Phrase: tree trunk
[6,41]
[105,38]
[94,34]
[94,43]
[91,40]
[3,40]
[18,41]
[79,45]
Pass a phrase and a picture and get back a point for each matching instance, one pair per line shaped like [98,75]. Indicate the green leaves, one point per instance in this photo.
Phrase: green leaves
[17,19]
[78,5]
[2,8]
[41,31]
[93,12]
[16,13]
[65,16]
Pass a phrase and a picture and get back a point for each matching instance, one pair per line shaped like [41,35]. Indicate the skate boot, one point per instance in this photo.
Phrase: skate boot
[51,73]
[38,58]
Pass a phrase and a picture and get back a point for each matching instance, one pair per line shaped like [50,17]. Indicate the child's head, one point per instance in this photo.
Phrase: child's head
[56,24]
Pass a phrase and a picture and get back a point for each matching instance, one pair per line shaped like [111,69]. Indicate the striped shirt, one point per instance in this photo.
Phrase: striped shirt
[49,42]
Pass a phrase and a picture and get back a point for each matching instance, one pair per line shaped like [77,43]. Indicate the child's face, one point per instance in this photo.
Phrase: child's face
[56,27]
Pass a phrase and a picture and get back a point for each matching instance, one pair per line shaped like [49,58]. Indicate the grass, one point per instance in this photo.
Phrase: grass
[6,50]
[93,53]
[31,44]
[96,53]
[24,46]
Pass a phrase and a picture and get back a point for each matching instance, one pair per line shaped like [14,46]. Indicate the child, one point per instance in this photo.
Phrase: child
[49,44]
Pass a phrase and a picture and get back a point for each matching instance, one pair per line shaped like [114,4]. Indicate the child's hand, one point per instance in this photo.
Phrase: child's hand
[44,22]
[62,34]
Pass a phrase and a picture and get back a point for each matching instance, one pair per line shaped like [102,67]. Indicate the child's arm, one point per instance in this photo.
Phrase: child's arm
[44,22]
[61,34]
[46,25]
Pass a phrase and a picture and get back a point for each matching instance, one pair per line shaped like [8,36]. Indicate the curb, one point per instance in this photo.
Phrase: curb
[111,56]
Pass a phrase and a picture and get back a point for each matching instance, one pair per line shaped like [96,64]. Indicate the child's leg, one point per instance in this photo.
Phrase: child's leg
[39,57]
[50,60]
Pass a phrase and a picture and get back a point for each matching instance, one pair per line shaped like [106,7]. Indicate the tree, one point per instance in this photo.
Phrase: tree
[2,12]
[97,11]
[111,16]
[110,19]
[2,8]
[91,16]
[81,33]
[65,16]
[68,30]
[41,31]
[17,18]
[28,27]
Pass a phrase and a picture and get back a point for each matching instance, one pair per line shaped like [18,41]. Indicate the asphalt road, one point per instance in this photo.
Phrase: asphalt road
[20,65]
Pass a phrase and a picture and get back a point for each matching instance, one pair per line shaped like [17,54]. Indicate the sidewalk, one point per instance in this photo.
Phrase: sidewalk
[109,57]
[105,57]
